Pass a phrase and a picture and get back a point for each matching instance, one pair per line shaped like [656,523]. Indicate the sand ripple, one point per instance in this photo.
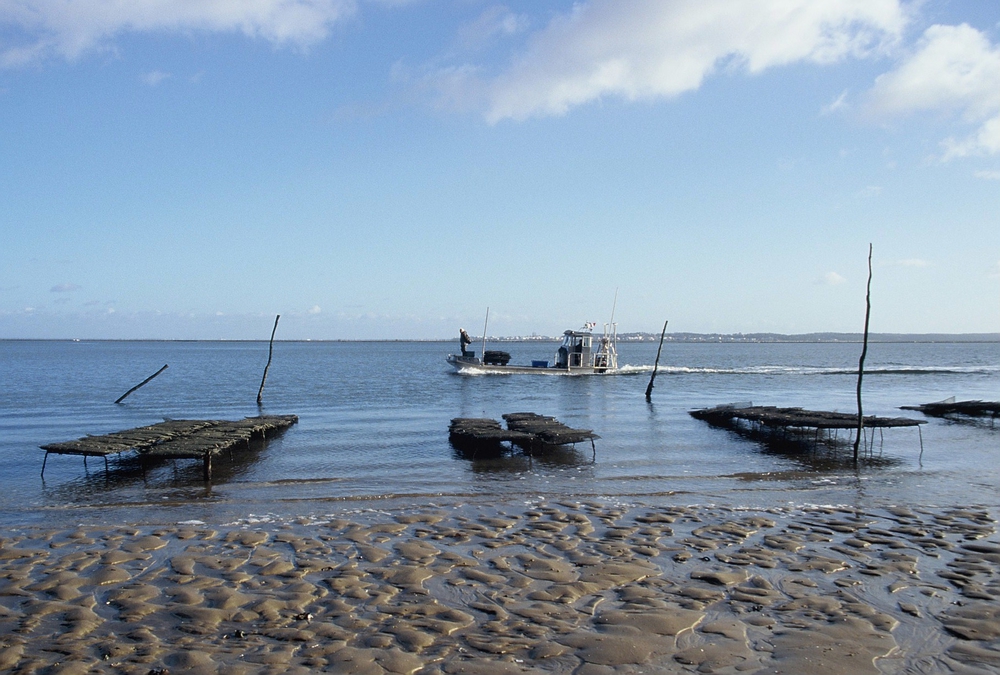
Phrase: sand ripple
[588,589]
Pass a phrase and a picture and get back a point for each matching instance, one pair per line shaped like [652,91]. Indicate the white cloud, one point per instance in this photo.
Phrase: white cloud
[495,22]
[988,175]
[69,28]
[647,49]
[953,69]
[154,77]
[839,103]
[986,141]
[831,279]
[315,309]
[913,262]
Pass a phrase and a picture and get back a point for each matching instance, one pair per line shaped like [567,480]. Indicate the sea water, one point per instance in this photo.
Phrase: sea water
[373,428]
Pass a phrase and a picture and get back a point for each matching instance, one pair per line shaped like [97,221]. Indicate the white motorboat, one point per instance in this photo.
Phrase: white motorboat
[576,356]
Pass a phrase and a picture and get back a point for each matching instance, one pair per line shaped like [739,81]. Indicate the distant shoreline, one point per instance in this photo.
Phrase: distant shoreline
[689,338]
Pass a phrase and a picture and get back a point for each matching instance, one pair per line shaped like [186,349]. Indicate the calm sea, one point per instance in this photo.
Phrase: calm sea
[374,417]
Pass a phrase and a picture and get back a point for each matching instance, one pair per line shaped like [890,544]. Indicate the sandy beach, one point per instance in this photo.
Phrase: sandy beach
[585,588]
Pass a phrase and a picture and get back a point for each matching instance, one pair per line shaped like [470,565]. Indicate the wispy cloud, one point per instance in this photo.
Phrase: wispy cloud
[838,104]
[954,69]
[494,23]
[40,29]
[64,288]
[154,77]
[647,49]
[831,279]
[988,175]
[315,309]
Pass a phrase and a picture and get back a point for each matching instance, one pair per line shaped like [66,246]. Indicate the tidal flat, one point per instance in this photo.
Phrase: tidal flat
[562,586]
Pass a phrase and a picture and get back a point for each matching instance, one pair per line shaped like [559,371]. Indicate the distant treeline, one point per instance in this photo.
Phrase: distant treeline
[622,337]
[779,337]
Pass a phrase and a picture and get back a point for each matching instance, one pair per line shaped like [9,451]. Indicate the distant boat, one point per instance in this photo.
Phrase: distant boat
[575,356]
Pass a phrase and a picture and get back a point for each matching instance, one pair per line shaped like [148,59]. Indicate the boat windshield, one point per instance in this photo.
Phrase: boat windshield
[575,351]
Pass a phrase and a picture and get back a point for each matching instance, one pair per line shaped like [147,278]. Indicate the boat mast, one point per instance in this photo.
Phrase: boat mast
[483,355]
[612,335]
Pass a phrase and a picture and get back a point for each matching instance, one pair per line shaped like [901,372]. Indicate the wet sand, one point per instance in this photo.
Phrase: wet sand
[583,588]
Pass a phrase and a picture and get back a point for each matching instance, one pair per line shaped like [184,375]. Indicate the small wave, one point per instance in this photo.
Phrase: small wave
[633,370]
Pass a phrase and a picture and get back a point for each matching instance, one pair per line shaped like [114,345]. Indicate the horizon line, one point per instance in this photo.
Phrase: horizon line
[831,336]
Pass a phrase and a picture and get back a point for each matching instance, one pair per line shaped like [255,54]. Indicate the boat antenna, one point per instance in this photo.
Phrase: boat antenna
[483,359]
[611,337]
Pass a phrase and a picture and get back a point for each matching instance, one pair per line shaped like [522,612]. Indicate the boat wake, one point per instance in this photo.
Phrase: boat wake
[763,370]
[812,370]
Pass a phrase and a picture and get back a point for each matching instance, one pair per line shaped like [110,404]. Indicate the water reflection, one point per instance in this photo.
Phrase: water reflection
[818,451]
[504,458]
[986,423]
[170,479]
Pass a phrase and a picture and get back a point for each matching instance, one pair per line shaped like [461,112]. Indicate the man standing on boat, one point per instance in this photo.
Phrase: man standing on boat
[464,340]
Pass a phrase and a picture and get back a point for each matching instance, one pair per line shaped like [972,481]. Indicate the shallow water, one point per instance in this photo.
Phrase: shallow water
[374,419]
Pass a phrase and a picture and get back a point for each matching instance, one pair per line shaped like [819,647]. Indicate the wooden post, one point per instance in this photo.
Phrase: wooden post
[656,364]
[270,352]
[864,352]
[122,397]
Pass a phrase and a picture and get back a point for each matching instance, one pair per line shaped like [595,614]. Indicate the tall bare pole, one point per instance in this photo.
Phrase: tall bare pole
[864,352]
[270,352]
[656,364]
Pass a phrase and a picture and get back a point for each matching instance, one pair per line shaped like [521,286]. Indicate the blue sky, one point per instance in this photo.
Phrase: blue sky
[389,169]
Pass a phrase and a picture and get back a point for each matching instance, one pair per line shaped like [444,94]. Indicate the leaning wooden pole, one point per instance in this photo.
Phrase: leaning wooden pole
[122,397]
[656,364]
[270,352]
[864,352]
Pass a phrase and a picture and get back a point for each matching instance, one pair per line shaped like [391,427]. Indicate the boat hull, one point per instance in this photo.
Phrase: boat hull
[472,365]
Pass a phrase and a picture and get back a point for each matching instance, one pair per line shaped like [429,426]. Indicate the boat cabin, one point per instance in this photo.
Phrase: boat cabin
[576,350]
